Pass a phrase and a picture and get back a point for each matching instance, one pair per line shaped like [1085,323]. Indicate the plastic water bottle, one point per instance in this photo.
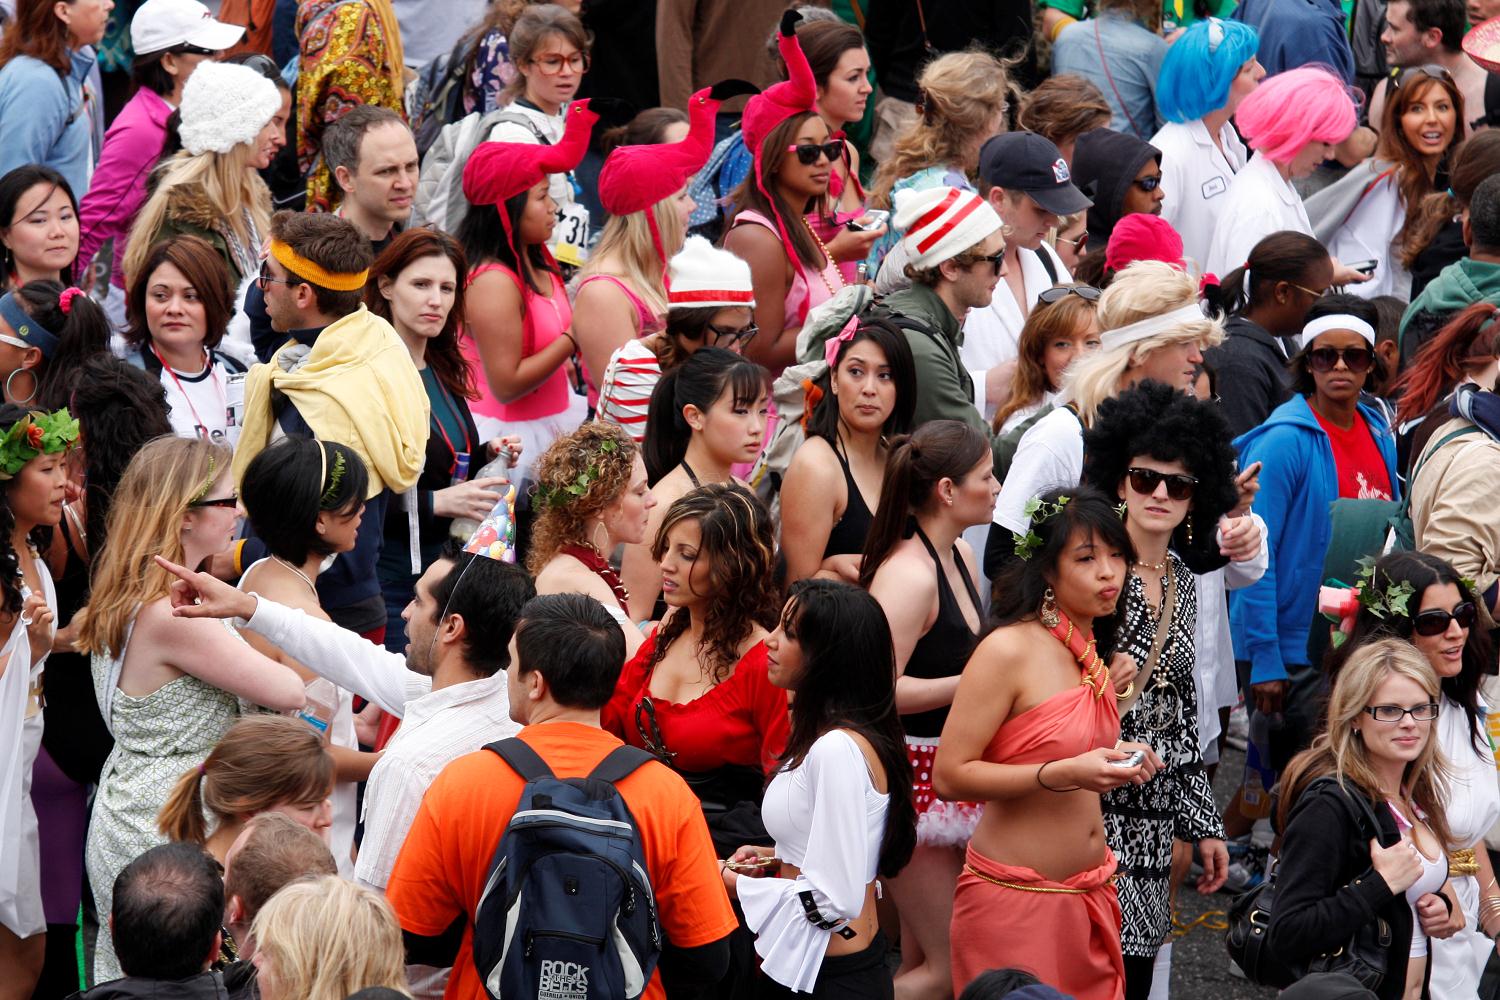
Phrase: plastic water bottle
[462,528]
[322,701]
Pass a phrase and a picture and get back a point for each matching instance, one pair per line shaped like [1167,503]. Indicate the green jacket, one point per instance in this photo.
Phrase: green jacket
[944,389]
[1457,286]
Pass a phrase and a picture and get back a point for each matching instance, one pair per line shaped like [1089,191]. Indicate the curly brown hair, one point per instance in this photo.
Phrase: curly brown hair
[739,540]
[605,475]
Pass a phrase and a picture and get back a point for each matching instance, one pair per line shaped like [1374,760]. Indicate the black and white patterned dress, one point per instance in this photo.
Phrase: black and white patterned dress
[1141,821]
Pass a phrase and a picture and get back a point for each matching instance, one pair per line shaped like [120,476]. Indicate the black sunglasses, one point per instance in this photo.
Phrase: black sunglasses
[1432,70]
[1356,359]
[1435,622]
[995,260]
[808,152]
[651,740]
[233,500]
[1145,482]
[1057,293]
[1148,184]
[733,335]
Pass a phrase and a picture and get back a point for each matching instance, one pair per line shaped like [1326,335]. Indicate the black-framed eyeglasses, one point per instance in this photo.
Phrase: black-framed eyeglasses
[1436,621]
[1145,482]
[1426,712]
[1432,70]
[1148,184]
[265,277]
[1057,293]
[233,500]
[1326,359]
[808,152]
[651,738]
[995,260]
[733,335]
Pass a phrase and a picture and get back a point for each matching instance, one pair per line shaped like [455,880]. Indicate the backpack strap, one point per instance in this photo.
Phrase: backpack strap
[621,762]
[504,116]
[1047,265]
[522,759]
[1364,813]
[1433,450]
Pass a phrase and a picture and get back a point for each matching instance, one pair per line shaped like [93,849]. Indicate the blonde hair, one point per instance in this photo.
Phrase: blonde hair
[627,238]
[145,520]
[960,96]
[327,938]
[1142,290]
[229,183]
[1340,751]
[579,457]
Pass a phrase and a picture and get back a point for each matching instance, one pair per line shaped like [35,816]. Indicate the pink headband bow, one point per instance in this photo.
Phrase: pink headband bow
[831,345]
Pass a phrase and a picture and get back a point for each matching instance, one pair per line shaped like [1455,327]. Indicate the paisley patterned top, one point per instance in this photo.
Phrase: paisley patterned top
[1141,821]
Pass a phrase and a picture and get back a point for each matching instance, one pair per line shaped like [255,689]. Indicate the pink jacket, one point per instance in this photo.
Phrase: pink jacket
[118,189]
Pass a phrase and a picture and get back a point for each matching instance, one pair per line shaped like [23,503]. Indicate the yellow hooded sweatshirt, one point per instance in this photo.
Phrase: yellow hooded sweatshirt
[357,387]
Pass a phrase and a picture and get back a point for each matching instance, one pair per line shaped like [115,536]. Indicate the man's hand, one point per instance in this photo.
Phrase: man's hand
[202,595]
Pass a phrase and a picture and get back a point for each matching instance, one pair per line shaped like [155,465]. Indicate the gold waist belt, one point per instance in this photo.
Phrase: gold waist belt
[1462,862]
[1023,887]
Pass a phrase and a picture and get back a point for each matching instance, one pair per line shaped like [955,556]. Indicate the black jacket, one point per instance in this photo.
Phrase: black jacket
[1326,886]
[204,986]
[1251,373]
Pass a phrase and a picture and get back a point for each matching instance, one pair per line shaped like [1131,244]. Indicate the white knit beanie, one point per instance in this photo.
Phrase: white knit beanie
[703,277]
[942,222]
[223,105]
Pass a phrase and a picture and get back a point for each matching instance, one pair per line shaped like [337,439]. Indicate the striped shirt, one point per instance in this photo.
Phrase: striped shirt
[625,391]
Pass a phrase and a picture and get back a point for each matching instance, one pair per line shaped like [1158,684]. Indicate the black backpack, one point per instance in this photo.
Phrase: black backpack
[567,910]
[436,97]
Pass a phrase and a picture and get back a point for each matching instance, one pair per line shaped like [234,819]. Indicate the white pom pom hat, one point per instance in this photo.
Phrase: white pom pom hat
[942,222]
[704,277]
[224,105]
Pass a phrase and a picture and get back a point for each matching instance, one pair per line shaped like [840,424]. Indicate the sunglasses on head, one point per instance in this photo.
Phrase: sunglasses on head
[1435,622]
[1057,293]
[1145,482]
[808,152]
[1356,359]
[1432,70]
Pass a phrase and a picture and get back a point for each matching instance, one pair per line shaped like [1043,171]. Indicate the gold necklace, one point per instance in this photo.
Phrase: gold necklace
[823,273]
[1154,567]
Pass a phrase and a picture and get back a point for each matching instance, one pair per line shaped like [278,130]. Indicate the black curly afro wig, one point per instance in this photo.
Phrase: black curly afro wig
[1154,419]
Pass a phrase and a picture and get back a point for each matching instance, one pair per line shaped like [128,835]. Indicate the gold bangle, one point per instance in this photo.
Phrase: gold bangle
[1129,690]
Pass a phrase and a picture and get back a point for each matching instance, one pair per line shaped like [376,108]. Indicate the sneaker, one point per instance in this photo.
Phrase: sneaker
[1246,867]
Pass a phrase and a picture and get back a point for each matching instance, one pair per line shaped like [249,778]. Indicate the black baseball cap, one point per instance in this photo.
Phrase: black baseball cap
[1025,161]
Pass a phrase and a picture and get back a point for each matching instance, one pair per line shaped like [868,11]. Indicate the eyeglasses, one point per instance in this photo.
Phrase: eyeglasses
[1435,622]
[1395,713]
[1148,184]
[1356,359]
[652,741]
[1432,70]
[1145,482]
[995,260]
[552,65]
[808,152]
[1309,291]
[1057,293]
[265,277]
[732,336]
[1080,245]
[233,500]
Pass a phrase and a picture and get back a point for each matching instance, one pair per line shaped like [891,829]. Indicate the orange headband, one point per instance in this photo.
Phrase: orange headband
[313,273]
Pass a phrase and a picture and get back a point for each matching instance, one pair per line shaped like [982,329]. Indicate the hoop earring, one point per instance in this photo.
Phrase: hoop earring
[599,526]
[1048,611]
[12,396]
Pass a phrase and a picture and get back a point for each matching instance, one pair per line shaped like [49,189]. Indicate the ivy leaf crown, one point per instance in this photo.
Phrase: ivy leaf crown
[1391,601]
[1038,512]
[36,434]
[560,496]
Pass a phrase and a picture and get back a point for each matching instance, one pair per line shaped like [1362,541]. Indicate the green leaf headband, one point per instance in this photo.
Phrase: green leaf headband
[1038,512]
[543,495]
[208,483]
[36,434]
[326,501]
[1392,601]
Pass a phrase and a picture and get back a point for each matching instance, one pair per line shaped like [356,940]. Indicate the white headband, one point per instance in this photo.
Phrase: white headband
[1338,321]
[1150,327]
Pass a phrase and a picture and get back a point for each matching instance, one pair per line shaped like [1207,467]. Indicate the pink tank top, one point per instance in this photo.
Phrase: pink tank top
[804,292]
[646,322]
[546,319]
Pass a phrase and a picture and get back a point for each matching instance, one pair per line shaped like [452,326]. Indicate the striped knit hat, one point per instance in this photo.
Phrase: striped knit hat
[942,222]
[705,277]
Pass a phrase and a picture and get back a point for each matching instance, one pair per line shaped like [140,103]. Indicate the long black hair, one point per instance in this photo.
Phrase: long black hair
[290,483]
[482,234]
[849,682]
[1021,583]
[1421,570]
[11,579]
[823,421]
[699,381]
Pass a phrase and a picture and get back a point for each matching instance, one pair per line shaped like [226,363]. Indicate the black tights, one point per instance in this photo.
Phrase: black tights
[1138,973]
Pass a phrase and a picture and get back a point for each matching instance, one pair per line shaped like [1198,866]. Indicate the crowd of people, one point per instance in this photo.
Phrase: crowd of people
[488,511]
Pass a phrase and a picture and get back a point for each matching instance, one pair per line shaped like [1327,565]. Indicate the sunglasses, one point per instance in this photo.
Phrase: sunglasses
[1145,482]
[1080,245]
[1356,359]
[808,152]
[1432,70]
[1435,622]
[733,335]
[1395,713]
[649,731]
[1148,184]
[995,260]
[233,500]
[1087,293]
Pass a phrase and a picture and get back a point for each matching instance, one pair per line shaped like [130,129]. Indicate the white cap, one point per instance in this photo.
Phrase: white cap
[159,25]
[223,105]
[942,222]
[703,277]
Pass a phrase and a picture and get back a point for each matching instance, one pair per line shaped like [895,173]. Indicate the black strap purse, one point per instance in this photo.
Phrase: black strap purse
[1248,936]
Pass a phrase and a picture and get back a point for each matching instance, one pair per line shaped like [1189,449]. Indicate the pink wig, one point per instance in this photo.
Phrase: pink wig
[1292,109]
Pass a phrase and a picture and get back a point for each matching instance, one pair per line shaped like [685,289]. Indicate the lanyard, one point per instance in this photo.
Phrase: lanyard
[457,418]
[208,362]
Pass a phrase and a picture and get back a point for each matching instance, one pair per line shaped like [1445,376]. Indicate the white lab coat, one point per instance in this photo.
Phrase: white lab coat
[993,334]
[1195,179]
[1259,203]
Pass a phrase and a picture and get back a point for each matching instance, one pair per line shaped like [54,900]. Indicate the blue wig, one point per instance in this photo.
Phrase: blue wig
[1199,67]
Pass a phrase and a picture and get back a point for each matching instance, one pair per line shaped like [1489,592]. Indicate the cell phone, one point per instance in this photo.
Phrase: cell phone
[1134,760]
[1365,267]
[877,219]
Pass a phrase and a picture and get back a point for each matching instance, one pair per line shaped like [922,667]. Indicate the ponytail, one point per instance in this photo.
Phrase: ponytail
[1232,294]
[181,819]
[667,431]
[82,331]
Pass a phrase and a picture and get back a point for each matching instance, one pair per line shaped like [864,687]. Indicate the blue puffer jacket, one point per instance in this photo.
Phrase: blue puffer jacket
[1269,619]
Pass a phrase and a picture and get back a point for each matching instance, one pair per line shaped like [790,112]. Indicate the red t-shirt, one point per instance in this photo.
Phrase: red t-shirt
[440,872]
[743,721]
[1361,467]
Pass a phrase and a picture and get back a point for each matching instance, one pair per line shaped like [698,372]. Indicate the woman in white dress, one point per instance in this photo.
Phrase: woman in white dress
[1440,621]
[1207,72]
[168,687]
[32,447]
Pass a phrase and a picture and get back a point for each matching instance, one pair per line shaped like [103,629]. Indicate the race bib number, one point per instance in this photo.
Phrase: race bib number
[571,238]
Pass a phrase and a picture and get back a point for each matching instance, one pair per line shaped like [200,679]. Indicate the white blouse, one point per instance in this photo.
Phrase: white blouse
[1196,174]
[828,820]
[1260,202]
